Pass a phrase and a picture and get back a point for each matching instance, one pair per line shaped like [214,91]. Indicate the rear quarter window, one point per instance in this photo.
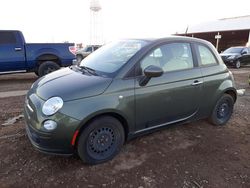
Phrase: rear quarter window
[7,38]
[206,56]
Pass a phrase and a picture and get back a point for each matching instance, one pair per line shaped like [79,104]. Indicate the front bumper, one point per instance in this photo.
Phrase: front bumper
[57,141]
[229,62]
[74,62]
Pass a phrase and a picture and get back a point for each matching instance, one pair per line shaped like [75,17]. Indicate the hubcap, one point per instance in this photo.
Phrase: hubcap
[49,70]
[223,111]
[101,141]
[238,64]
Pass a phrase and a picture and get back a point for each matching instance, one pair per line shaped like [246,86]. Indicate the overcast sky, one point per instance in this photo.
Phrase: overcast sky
[69,20]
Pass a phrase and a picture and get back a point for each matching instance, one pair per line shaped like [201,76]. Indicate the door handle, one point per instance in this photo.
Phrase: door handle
[196,82]
[18,49]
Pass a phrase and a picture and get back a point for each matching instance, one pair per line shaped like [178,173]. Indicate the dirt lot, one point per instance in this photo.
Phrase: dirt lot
[191,155]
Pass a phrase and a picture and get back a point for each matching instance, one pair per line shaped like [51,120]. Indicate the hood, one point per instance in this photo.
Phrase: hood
[70,85]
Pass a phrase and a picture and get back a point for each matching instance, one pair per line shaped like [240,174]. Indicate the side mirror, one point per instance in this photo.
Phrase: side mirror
[150,72]
[244,53]
[153,71]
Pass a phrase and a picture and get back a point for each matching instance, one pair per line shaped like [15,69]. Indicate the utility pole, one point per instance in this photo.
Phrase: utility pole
[217,37]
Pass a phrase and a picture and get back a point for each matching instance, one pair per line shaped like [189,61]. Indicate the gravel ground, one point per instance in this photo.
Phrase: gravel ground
[191,155]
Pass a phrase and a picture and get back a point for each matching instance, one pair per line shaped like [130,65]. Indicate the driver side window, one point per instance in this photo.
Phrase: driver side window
[170,57]
[244,51]
[152,59]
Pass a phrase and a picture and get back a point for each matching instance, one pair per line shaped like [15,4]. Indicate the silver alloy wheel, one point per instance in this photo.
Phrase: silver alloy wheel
[237,65]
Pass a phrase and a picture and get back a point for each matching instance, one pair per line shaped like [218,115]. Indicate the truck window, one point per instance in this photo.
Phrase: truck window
[7,38]
[89,49]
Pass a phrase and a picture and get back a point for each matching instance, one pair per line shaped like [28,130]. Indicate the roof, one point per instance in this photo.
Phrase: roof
[226,24]
[159,41]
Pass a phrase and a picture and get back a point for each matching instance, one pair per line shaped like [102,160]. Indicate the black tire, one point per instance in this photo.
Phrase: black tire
[36,72]
[237,64]
[101,140]
[47,67]
[223,110]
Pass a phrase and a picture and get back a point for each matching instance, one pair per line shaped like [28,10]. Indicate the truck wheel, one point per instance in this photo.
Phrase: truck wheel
[101,140]
[223,110]
[237,64]
[36,72]
[47,67]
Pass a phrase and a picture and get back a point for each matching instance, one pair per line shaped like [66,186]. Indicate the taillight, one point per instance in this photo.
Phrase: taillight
[72,49]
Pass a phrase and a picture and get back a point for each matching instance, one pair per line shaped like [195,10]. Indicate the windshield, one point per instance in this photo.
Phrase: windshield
[111,57]
[233,50]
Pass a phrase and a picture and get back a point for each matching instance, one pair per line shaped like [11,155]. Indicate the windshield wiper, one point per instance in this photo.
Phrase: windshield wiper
[89,70]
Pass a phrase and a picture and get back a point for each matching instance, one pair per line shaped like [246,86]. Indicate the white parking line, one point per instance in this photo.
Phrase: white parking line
[13,93]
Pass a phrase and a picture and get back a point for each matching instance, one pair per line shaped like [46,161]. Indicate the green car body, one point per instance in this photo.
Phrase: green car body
[140,102]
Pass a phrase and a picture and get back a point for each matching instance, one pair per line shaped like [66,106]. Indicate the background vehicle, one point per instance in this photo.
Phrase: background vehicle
[125,89]
[236,56]
[82,53]
[18,56]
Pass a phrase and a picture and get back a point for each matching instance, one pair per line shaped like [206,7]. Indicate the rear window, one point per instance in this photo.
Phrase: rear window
[235,50]
[7,38]
[206,56]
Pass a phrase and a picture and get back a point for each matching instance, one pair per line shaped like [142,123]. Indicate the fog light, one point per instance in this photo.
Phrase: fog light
[49,125]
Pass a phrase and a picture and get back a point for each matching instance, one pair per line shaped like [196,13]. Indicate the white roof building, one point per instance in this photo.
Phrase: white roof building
[223,33]
[226,24]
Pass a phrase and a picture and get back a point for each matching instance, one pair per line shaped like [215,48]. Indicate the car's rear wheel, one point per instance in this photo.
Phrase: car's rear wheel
[101,140]
[223,110]
[47,67]
[237,64]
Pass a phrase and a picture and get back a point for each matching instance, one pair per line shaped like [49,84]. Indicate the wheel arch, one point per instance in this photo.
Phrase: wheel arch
[228,87]
[48,57]
[113,114]
[232,92]
[79,55]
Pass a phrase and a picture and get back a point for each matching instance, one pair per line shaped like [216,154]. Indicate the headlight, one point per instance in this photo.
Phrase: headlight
[231,57]
[52,105]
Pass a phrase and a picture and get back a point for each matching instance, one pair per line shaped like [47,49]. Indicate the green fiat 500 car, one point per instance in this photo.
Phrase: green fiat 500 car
[125,89]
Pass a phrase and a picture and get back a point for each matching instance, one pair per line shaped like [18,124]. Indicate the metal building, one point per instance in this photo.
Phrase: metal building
[222,33]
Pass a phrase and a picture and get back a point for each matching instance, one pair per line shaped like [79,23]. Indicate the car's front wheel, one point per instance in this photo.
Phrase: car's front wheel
[101,140]
[237,64]
[223,110]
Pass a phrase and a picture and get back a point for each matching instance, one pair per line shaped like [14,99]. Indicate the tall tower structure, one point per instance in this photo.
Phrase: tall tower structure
[96,33]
